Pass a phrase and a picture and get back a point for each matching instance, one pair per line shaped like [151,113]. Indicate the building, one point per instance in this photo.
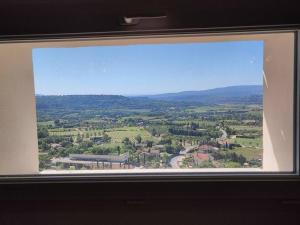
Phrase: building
[207,149]
[56,146]
[94,161]
[200,157]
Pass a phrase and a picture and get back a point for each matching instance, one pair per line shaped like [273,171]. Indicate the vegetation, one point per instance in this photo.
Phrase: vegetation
[152,131]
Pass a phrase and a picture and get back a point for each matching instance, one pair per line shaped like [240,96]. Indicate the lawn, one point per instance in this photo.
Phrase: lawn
[244,127]
[216,108]
[249,142]
[249,153]
[118,134]
[63,132]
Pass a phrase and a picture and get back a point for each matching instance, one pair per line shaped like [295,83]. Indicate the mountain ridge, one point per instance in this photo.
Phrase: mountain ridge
[244,94]
[216,95]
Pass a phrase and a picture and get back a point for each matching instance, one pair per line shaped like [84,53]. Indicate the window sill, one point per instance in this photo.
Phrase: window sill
[151,171]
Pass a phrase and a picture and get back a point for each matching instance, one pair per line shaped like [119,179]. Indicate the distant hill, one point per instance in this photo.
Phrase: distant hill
[102,102]
[82,101]
[231,94]
[234,94]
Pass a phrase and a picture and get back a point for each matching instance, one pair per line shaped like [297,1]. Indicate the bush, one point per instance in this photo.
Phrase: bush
[44,161]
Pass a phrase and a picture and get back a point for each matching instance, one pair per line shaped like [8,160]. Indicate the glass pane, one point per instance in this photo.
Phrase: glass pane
[150,106]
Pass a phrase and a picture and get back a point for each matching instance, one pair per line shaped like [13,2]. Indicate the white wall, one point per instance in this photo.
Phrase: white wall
[278,103]
[18,139]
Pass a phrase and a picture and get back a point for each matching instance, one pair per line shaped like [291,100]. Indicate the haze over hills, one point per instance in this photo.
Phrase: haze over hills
[246,94]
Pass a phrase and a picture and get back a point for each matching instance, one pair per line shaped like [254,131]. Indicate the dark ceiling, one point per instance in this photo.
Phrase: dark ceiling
[32,17]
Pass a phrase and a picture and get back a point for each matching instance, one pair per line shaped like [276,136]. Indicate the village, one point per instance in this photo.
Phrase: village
[149,154]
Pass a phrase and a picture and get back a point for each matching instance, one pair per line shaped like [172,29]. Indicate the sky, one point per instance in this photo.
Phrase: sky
[147,69]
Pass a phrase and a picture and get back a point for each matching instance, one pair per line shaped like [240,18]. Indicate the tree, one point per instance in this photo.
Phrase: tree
[43,132]
[165,157]
[126,141]
[106,138]
[79,138]
[206,164]
[194,126]
[44,161]
[86,144]
[173,149]
[165,141]
[57,123]
[149,143]
[138,138]
[118,150]
[44,146]
[153,132]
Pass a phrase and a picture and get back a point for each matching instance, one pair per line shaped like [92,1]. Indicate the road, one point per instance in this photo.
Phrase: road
[224,134]
[175,161]
[187,149]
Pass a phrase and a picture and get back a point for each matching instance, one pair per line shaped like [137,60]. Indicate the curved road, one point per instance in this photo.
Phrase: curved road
[175,161]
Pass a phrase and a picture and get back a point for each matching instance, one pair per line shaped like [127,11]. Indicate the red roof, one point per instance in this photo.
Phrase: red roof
[201,156]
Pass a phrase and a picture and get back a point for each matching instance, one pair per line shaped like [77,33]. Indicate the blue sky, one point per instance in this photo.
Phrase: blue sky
[147,69]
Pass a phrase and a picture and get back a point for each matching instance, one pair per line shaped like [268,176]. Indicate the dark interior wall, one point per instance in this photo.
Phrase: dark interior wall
[19,17]
[199,202]
[210,203]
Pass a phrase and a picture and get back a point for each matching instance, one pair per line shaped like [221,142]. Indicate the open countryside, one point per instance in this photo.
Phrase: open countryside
[215,128]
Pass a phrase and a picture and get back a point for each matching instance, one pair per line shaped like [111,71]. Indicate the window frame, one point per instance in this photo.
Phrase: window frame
[176,176]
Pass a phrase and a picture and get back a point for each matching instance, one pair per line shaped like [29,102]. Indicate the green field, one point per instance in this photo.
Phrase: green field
[249,142]
[64,132]
[249,153]
[215,108]
[244,127]
[117,135]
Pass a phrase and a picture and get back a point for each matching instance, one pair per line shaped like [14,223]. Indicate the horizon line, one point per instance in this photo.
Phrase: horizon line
[145,95]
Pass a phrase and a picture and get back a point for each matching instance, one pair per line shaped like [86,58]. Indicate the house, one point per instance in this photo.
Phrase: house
[200,157]
[56,146]
[207,149]
[154,152]
[140,146]
[159,147]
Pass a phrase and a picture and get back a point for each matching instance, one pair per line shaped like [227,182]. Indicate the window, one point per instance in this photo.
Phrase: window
[191,104]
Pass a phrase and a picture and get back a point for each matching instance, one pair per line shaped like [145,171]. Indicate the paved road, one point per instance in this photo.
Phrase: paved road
[224,134]
[175,161]
[187,149]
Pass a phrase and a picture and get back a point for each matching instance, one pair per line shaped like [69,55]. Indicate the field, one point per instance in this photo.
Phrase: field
[118,135]
[249,142]
[150,133]
[249,153]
